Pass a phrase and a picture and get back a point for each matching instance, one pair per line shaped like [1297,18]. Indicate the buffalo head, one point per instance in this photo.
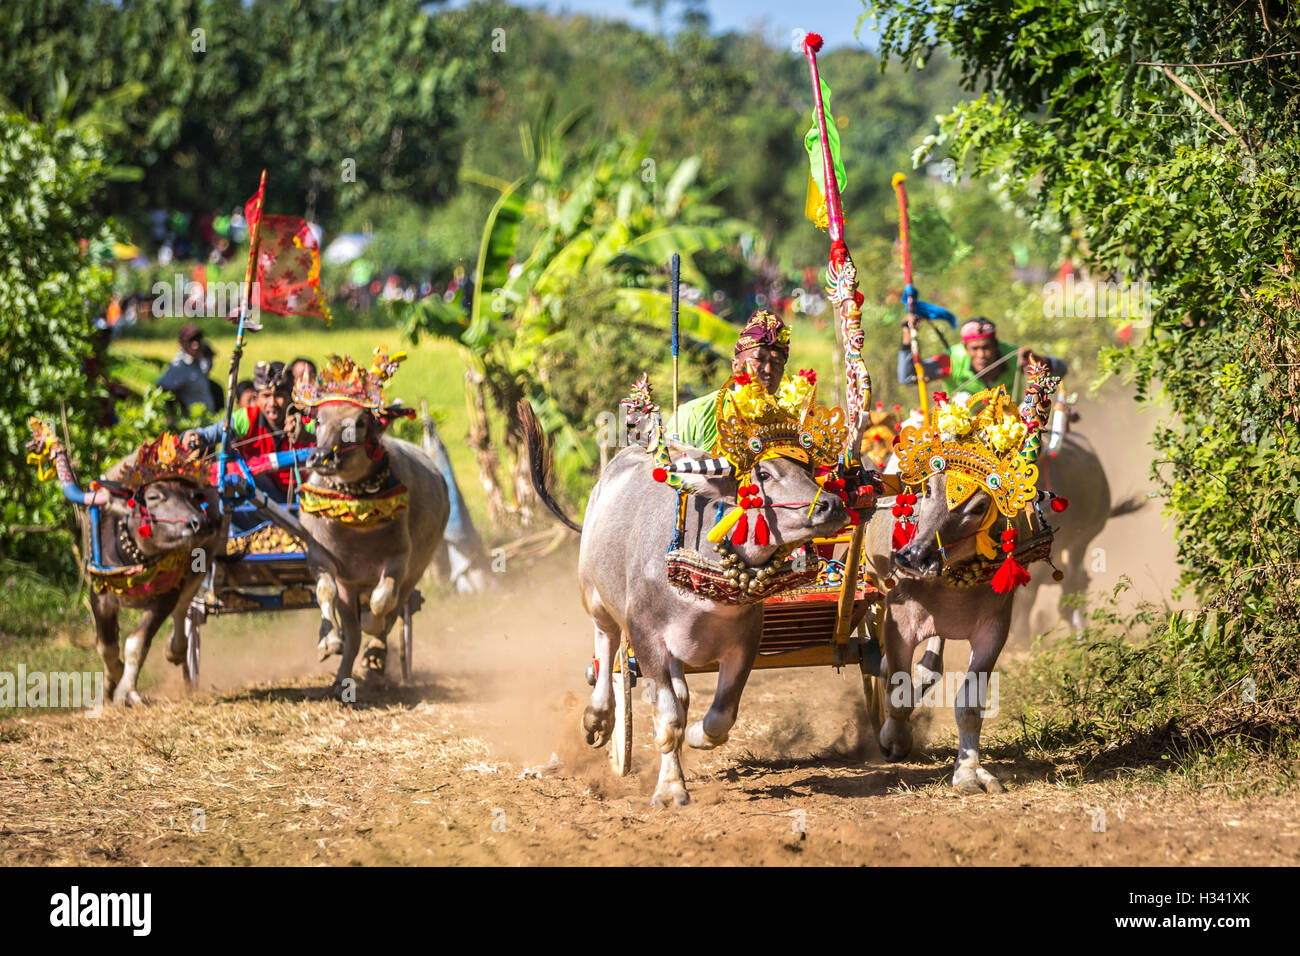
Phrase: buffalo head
[935,523]
[347,441]
[794,506]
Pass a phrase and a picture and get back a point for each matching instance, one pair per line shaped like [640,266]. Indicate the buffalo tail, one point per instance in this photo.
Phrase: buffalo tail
[540,465]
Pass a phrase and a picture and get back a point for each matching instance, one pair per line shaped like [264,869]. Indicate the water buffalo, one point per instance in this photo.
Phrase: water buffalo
[1074,473]
[923,604]
[623,578]
[169,529]
[380,559]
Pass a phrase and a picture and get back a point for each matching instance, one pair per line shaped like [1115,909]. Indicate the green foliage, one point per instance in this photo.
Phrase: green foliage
[48,181]
[569,278]
[1203,689]
[199,95]
[1085,126]
[1163,136]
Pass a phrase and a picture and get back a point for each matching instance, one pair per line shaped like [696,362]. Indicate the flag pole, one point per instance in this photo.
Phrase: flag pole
[250,273]
[676,285]
[909,291]
[841,273]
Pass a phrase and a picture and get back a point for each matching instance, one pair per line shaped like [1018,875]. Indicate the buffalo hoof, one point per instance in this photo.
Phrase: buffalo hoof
[598,726]
[329,646]
[127,697]
[671,794]
[176,655]
[975,780]
[699,740]
[375,657]
[895,740]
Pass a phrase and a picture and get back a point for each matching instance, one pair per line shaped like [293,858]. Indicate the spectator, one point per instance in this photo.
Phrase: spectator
[187,376]
[245,394]
[302,369]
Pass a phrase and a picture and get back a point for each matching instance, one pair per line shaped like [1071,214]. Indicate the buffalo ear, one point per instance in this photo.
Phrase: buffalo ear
[383,418]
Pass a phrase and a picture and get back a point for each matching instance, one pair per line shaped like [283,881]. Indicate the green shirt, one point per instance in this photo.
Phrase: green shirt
[696,422]
[963,377]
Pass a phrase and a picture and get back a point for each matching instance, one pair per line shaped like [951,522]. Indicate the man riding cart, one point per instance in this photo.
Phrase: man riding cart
[980,361]
[272,425]
[760,355]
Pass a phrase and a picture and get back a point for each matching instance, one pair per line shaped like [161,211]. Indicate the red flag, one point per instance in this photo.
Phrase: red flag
[288,268]
[253,208]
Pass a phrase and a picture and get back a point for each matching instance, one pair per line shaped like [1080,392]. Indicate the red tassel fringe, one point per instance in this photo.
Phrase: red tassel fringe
[904,532]
[1010,576]
[741,531]
[760,531]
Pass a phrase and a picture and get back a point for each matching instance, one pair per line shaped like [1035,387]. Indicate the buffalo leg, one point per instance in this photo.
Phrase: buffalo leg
[598,718]
[968,776]
[929,669]
[137,647]
[670,721]
[104,610]
[715,727]
[331,631]
[678,674]
[349,618]
[896,735]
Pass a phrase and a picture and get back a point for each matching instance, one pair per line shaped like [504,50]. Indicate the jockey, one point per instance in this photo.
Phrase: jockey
[979,362]
[270,425]
[762,349]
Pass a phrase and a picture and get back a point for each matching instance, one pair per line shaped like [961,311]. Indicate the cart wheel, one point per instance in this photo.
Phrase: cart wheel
[620,744]
[407,638]
[193,625]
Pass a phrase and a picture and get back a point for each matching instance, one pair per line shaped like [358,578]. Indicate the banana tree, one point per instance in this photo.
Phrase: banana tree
[584,216]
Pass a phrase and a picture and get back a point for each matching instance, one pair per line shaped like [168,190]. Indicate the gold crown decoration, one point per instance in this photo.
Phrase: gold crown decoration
[758,425]
[164,460]
[343,380]
[977,444]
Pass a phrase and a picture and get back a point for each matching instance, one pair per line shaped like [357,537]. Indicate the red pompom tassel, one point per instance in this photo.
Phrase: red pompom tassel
[760,531]
[145,531]
[660,474]
[1011,575]
[813,41]
[1060,504]
[904,532]
[741,531]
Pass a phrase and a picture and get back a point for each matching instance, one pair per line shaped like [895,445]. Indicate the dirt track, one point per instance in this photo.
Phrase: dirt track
[273,774]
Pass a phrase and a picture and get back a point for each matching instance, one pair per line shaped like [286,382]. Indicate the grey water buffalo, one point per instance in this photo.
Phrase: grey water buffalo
[1074,473]
[923,604]
[170,531]
[623,578]
[379,561]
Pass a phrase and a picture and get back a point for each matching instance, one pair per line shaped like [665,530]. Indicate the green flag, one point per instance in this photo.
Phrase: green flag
[812,141]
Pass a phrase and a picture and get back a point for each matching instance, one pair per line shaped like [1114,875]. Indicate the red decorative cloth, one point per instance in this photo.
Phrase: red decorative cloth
[288,269]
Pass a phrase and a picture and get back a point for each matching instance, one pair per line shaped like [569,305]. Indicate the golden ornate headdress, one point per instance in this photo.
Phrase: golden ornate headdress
[977,444]
[164,460]
[753,425]
[343,380]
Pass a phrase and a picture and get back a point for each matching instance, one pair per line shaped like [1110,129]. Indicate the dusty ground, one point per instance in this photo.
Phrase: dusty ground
[447,770]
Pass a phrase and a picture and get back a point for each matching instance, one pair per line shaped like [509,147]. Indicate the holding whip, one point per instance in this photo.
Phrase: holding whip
[909,290]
